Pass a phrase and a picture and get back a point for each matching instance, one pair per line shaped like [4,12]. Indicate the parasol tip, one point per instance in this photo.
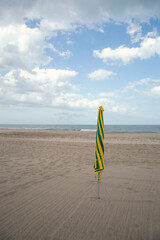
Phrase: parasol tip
[101,108]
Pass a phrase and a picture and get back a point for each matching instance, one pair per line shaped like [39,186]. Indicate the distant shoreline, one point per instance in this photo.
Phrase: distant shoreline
[113,130]
[89,128]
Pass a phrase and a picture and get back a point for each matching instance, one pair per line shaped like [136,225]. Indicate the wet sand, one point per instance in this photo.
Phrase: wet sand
[48,187]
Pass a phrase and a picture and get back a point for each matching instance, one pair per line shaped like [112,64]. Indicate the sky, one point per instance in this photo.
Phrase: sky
[61,60]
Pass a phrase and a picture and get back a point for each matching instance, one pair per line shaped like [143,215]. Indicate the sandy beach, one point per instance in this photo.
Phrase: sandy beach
[48,187]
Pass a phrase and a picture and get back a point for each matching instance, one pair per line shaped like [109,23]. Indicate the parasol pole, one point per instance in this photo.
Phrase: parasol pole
[98,197]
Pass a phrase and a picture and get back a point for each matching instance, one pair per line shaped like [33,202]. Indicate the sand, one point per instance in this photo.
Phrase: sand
[48,187]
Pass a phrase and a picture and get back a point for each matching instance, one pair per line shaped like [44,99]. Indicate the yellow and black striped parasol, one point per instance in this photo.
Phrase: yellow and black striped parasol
[99,153]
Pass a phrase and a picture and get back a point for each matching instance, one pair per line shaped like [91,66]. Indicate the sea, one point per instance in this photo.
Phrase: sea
[112,128]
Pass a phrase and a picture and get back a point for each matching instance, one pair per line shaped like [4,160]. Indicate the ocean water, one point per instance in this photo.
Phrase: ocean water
[114,128]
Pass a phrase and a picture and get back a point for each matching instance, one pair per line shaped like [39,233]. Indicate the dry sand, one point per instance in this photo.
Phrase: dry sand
[48,187]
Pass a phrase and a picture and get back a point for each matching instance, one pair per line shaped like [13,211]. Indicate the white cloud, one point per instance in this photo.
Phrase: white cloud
[135,31]
[146,87]
[51,88]
[119,109]
[50,26]
[100,29]
[101,74]
[66,14]
[149,47]
[69,42]
[22,47]
[140,86]
[66,54]
[113,94]
[39,86]
[155,92]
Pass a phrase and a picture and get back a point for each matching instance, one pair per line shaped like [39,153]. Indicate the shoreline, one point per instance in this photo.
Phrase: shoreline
[75,130]
[84,128]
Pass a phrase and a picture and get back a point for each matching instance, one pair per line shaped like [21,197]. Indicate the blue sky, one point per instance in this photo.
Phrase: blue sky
[59,61]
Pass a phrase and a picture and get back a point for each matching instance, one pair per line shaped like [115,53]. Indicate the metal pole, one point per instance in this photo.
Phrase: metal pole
[98,197]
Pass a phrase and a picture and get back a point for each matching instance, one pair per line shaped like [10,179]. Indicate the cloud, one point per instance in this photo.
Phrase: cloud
[69,42]
[68,14]
[43,88]
[155,92]
[51,88]
[66,54]
[149,47]
[22,47]
[39,86]
[25,48]
[135,31]
[101,74]
[146,87]
[119,109]
[141,86]
[113,94]
[50,26]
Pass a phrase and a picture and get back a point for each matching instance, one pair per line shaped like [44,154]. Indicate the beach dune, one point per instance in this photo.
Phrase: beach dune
[48,188]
